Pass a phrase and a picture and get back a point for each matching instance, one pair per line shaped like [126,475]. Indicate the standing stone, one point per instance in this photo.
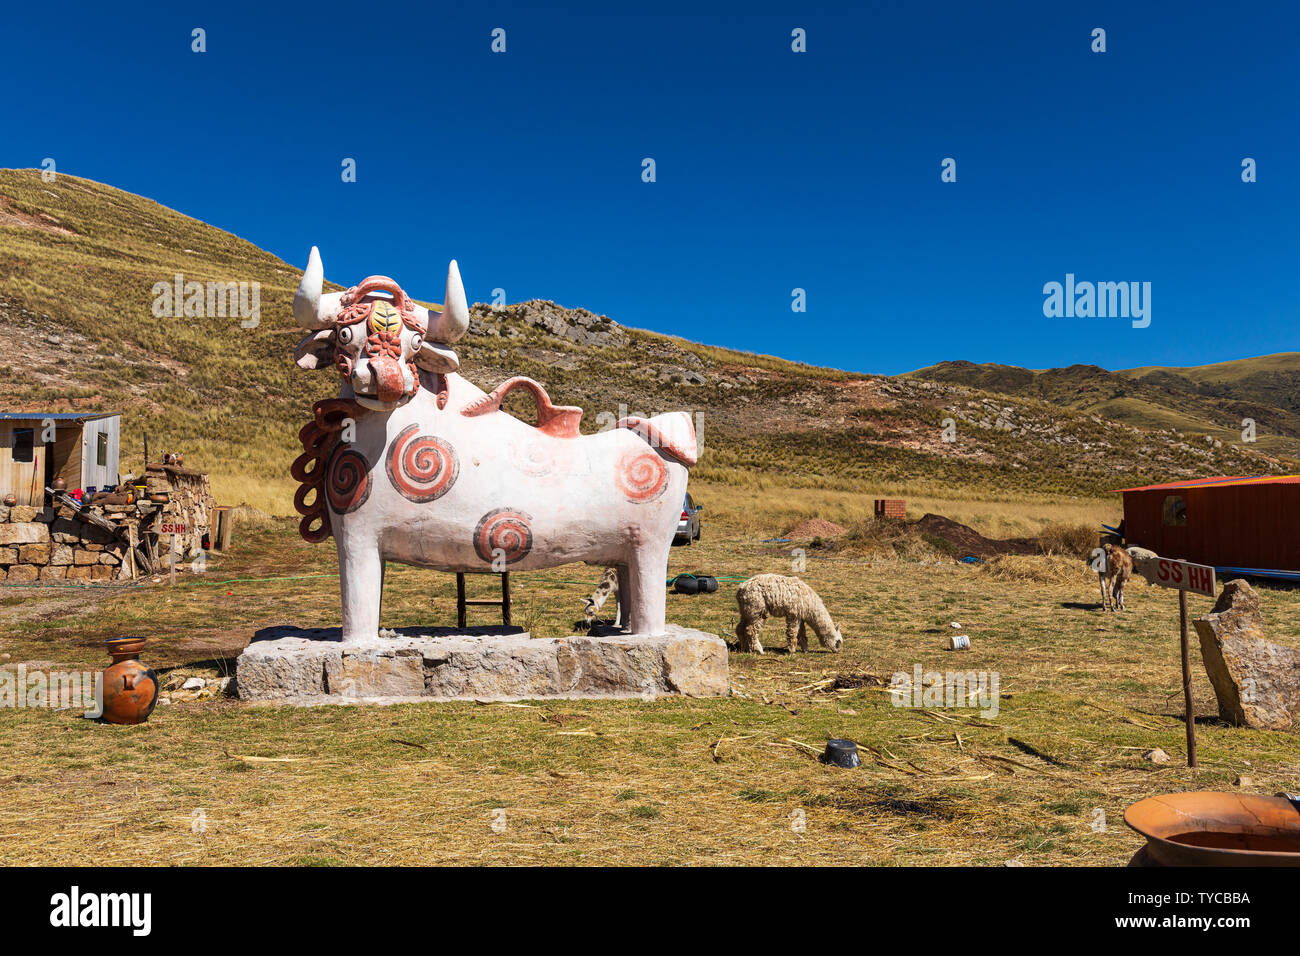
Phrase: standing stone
[1256,681]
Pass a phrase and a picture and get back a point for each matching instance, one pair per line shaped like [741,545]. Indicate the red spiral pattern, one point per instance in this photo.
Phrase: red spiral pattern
[506,530]
[348,485]
[421,467]
[641,476]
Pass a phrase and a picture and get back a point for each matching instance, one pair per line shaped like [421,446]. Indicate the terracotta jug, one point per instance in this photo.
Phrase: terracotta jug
[130,688]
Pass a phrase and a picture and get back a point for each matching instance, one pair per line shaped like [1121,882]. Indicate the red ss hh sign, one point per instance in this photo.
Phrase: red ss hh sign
[169,527]
[1185,576]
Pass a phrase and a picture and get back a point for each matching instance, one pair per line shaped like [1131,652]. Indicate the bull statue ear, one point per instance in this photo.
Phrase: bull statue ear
[435,357]
[316,350]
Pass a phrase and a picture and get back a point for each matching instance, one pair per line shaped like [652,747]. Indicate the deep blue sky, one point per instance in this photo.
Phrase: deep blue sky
[775,170]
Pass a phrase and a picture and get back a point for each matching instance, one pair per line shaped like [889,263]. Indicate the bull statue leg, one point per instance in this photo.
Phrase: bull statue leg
[648,601]
[361,581]
[624,596]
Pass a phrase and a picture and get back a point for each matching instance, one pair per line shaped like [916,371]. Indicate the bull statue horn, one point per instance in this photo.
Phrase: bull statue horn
[452,323]
[311,309]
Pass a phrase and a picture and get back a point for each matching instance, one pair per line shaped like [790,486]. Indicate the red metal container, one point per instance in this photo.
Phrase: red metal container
[1238,523]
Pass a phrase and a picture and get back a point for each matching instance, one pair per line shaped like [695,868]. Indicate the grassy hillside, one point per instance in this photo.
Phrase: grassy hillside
[78,262]
[1207,400]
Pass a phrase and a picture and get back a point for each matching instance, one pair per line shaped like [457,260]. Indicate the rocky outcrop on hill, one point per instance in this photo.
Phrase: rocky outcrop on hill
[573,325]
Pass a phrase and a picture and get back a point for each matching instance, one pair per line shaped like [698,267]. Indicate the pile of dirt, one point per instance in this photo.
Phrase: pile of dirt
[967,542]
[815,528]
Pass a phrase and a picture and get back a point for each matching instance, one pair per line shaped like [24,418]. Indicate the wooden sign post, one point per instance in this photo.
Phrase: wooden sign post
[1198,578]
[175,529]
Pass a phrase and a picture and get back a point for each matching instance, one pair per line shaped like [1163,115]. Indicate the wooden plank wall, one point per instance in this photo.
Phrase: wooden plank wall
[66,452]
[24,479]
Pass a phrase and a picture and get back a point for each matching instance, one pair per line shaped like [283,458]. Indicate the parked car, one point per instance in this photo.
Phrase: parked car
[688,526]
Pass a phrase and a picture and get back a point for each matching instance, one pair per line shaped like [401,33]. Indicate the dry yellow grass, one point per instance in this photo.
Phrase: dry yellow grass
[769,510]
[669,782]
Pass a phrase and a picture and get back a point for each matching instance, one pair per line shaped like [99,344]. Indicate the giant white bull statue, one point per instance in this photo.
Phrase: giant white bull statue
[412,463]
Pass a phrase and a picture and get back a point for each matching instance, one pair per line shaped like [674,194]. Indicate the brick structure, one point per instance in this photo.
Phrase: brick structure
[891,508]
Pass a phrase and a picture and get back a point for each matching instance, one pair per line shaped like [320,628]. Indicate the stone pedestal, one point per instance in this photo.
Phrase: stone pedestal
[306,666]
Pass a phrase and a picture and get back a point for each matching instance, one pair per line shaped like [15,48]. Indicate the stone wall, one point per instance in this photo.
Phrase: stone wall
[52,544]
[189,504]
[64,543]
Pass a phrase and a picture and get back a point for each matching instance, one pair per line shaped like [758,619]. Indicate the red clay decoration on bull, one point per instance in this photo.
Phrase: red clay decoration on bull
[348,484]
[319,437]
[421,467]
[641,476]
[503,534]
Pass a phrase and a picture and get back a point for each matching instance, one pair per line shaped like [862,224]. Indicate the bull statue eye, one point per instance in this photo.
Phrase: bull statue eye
[345,335]
[416,342]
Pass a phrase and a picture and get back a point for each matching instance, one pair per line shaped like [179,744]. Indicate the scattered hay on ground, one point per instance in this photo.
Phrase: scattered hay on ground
[1038,569]
[1072,539]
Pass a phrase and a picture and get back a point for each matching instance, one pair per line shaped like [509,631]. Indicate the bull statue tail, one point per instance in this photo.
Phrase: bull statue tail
[672,433]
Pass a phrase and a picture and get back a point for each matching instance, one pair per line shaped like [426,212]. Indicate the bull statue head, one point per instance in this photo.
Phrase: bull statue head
[376,336]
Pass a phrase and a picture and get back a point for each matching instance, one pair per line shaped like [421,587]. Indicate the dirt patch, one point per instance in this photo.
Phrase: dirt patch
[45,604]
[967,542]
[816,528]
[848,681]
[12,216]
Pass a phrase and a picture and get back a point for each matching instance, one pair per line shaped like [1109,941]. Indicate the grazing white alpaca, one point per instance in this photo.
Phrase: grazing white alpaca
[782,596]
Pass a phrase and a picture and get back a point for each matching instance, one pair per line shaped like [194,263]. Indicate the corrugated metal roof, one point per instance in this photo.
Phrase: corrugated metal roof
[1222,482]
[57,416]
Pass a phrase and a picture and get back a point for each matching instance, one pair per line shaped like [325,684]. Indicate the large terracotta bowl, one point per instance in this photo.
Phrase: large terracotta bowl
[1216,829]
